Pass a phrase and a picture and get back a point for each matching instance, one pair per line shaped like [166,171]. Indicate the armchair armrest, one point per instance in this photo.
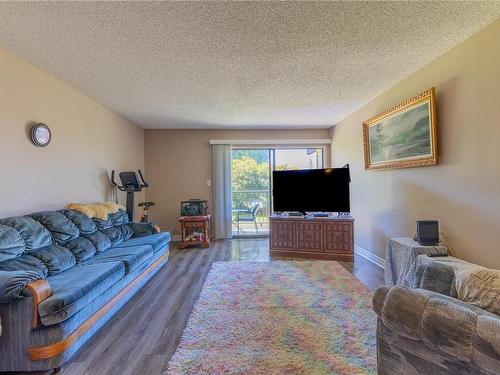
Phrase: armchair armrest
[452,328]
[40,291]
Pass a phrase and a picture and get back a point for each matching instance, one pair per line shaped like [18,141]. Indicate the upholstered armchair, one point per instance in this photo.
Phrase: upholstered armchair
[427,331]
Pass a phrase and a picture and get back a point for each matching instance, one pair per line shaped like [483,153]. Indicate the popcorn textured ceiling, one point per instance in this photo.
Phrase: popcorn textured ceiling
[236,64]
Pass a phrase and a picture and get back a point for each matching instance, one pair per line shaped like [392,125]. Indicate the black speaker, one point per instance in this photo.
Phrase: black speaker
[427,232]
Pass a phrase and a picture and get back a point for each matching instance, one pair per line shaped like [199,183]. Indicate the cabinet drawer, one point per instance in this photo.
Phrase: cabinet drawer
[283,234]
[194,224]
[311,240]
[310,236]
[304,226]
[338,237]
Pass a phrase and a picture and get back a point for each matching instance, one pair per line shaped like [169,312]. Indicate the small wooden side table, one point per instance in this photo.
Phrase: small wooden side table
[400,260]
[195,231]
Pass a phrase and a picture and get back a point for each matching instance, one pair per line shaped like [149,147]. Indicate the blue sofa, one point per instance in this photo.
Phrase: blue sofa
[63,276]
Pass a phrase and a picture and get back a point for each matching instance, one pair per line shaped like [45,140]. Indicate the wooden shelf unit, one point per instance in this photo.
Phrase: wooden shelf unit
[329,238]
[199,224]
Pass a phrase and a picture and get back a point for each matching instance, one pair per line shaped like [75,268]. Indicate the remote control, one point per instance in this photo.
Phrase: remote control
[437,255]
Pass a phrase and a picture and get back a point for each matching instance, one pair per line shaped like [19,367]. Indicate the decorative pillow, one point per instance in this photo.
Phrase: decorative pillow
[11,243]
[84,223]
[100,241]
[61,228]
[12,283]
[81,248]
[56,258]
[25,262]
[98,211]
[479,286]
[34,234]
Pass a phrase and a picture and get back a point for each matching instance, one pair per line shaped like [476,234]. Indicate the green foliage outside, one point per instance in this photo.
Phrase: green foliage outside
[248,175]
[250,179]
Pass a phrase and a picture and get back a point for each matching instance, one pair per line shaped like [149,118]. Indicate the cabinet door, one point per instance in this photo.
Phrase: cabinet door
[310,236]
[282,234]
[338,237]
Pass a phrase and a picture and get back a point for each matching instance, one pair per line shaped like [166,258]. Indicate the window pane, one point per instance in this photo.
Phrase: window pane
[304,158]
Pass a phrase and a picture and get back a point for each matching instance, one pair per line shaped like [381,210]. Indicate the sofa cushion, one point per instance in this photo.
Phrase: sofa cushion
[81,248]
[56,258]
[100,241]
[60,227]
[25,262]
[118,218]
[84,223]
[103,224]
[479,286]
[132,257]
[34,234]
[76,288]
[118,234]
[158,241]
[11,243]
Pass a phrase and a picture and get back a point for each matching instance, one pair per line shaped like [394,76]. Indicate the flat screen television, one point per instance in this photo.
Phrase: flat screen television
[312,190]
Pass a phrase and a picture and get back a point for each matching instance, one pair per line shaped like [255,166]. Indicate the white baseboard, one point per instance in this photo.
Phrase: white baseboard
[369,256]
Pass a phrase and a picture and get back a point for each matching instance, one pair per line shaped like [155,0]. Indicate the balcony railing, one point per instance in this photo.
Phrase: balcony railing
[244,224]
[246,199]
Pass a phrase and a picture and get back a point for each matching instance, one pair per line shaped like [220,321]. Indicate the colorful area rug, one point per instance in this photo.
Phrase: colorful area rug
[297,317]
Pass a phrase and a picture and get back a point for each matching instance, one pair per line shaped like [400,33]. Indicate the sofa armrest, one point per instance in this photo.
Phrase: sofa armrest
[143,229]
[447,326]
[12,283]
[40,290]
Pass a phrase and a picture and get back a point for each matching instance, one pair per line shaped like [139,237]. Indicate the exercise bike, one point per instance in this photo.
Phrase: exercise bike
[131,184]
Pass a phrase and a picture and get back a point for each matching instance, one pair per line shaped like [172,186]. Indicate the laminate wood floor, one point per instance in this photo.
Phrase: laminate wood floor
[143,335]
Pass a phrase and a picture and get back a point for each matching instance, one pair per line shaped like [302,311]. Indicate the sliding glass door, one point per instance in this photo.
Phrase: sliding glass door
[251,184]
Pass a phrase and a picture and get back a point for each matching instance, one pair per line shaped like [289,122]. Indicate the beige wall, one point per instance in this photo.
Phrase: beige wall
[87,141]
[463,191]
[179,163]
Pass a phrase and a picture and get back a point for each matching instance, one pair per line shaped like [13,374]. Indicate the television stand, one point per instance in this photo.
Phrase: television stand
[328,238]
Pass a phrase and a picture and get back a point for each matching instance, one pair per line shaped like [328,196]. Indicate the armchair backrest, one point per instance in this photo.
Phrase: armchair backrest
[255,208]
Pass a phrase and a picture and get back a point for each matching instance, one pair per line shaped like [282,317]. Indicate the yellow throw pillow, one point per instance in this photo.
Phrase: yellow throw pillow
[85,209]
[98,211]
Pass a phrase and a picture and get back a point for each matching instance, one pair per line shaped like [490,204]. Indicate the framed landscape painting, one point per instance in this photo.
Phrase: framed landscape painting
[403,136]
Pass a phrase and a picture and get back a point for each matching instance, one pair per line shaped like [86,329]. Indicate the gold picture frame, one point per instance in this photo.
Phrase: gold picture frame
[403,136]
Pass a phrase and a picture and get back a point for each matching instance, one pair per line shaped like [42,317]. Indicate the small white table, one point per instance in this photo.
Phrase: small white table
[401,260]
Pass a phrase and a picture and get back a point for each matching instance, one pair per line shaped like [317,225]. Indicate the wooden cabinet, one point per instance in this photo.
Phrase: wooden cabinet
[318,238]
[195,231]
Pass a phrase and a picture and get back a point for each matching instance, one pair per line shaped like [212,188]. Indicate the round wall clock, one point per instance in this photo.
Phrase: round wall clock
[40,134]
